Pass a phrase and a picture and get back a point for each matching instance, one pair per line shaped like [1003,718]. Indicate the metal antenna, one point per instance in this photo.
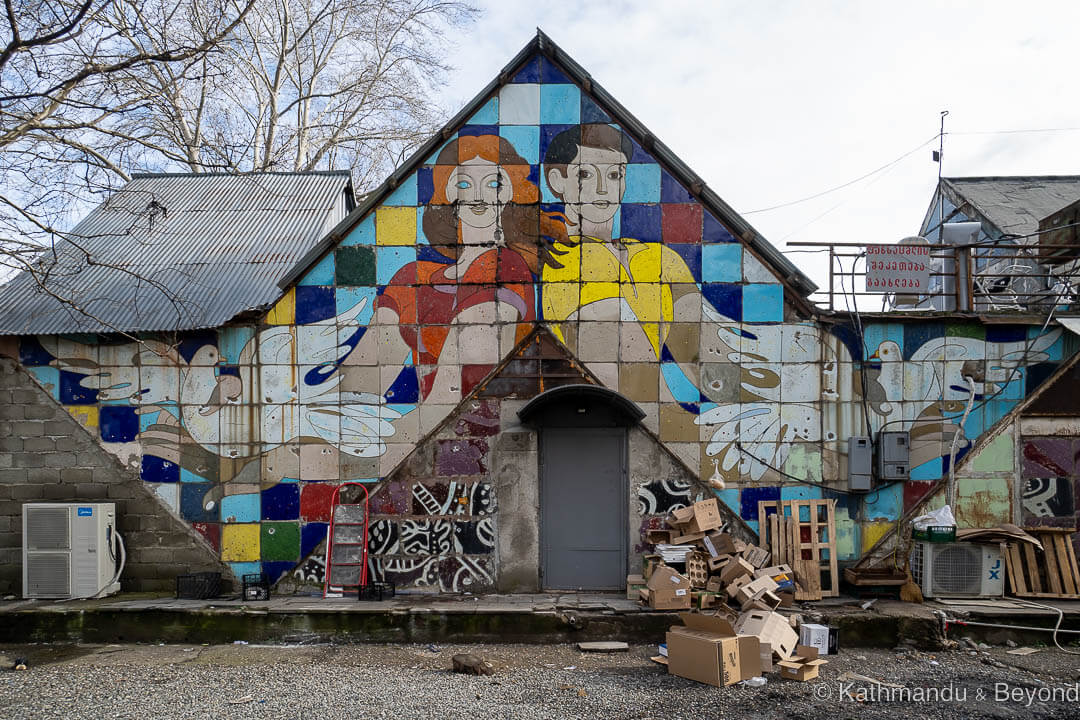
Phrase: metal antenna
[939,158]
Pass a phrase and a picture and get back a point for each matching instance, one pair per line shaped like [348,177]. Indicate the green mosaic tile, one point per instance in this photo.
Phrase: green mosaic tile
[355,266]
[280,541]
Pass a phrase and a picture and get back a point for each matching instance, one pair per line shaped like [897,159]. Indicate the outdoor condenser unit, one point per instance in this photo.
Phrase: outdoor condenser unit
[68,549]
[958,569]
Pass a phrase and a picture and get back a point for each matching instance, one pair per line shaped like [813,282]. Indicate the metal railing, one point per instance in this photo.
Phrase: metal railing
[1002,276]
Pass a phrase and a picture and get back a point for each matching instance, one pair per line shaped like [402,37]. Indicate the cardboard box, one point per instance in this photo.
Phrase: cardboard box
[664,535]
[821,637]
[803,666]
[714,585]
[772,571]
[697,569]
[707,649]
[668,590]
[770,628]
[732,589]
[736,567]
[758,557]
[688,539]
[698,518]
[648,562]
[718,543]
[761,600]
[717,563]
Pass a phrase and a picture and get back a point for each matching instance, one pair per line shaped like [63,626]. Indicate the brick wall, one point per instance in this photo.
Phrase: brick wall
[47,456]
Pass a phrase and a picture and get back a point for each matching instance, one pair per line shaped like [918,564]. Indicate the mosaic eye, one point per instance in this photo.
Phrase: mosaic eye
[614,174]
[494,184]
[463,185]
[584,173]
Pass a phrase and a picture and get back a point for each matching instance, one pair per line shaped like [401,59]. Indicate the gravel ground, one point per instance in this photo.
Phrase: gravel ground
[531,681]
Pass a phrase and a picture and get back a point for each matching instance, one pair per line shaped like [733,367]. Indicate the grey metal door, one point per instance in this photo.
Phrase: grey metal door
[583,508]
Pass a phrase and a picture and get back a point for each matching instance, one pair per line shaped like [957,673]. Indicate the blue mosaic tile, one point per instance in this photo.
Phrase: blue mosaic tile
[931,470]
[799,492]
[192,342]
[405,388]
[672,191]
[486,115]
[712,231]
[322,273]
[876,333]
[425,189]
[762,303]
[730,497]
[640,155]
[314,303]
[550,72]
[281,502]
[72,392]
[362,234]
[147,419]
[529,72]
[243,508]
[725,298]
[1006,333]
[349,297]
[641,222]
[885,503]
[721,263]
[691,255]
[591,112]
[525,139]
[186,476]
[547,134]
[118,423]
[274,570]
[240,569]
[311,534]
[155,469]
[404,195]
[389,259]
[192,505]
[47,377]
[918,334]
[642,184]
[750,497]
[32,353]
[560,104]
[231,340]
[477,130]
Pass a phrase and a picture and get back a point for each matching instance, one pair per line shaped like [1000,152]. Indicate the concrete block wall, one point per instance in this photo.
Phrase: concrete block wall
[47,456]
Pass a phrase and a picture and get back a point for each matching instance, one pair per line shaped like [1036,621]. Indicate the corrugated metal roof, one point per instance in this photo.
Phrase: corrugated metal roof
[1014,205]
[177,252]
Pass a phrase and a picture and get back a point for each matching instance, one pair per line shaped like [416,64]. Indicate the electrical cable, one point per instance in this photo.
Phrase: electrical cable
[886,166]
[950,489]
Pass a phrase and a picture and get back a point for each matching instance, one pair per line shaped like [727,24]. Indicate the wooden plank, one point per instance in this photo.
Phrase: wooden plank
[1072,560]
[1020,588]
[808,581]
[1067,575]
[1010,570]
[1033,568]
[1053,572]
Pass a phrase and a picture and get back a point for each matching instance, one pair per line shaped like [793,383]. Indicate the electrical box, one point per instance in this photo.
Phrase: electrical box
[860,464]
[893,453]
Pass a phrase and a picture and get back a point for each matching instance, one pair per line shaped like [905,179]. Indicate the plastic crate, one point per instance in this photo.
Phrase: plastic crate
[935,534]
[256,587]
[198,586]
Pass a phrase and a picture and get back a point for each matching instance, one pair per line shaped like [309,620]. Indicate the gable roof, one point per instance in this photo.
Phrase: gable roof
[176,251]
[1011,205]
[789,274]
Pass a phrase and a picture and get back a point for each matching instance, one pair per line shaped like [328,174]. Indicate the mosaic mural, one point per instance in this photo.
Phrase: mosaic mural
[540,208]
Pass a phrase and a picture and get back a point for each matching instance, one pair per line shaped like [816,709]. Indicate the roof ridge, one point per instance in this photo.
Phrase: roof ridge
[298,173]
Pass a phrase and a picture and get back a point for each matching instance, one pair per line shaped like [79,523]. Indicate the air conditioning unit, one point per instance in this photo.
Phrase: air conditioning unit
[69,549]
[958,569]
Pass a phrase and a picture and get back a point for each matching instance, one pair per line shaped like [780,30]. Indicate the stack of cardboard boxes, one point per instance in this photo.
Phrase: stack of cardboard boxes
[741,636]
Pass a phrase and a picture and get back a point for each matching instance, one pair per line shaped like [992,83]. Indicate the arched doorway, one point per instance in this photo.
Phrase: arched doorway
[584,504]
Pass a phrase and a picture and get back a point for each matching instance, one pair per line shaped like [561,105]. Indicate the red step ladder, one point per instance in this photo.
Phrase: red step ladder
[339,578]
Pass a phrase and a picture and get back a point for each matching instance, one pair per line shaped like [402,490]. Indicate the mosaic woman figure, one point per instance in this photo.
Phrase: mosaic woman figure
[483,220]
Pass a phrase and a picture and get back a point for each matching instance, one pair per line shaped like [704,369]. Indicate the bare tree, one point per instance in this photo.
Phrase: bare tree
[93,90]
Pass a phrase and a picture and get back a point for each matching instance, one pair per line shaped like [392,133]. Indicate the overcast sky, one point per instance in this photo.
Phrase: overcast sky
[771,102]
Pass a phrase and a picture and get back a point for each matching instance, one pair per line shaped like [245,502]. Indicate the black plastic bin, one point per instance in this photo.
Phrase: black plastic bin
[198,586]
[376,591]
[256,587]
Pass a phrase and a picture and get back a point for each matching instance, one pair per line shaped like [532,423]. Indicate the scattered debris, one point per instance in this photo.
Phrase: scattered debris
[472,665]
[865,679]
[603,646]
[20,664]
[754,682]
[1010,643]
[1022,651]
[240,700]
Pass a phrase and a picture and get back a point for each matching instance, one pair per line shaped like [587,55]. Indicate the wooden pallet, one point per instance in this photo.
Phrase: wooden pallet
[1050,574]
[808,545]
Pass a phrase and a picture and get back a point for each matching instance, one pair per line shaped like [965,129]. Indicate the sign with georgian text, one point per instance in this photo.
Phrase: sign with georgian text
[892,268]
